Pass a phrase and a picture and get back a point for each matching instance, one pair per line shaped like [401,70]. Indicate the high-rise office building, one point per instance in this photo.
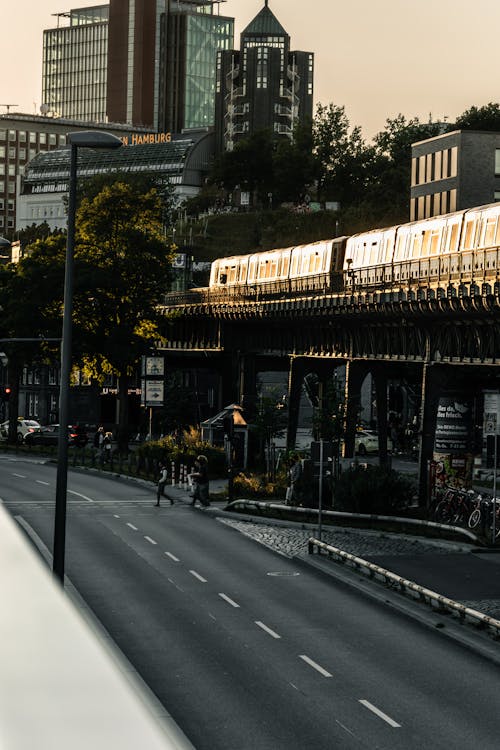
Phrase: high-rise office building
[263,85]
[75,61]
[161,61]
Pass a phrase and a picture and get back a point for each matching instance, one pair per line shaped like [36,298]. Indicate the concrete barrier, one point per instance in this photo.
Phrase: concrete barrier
[410,588]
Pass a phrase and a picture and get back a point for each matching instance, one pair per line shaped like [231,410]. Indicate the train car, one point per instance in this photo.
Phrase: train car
[480,242]
[368,258]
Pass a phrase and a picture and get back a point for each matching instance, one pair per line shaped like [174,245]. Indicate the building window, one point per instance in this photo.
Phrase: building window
[33,138]
[12,135]
[437,204]
[32,405]
[43,138]
[3,135]
[497,162]
[496,196]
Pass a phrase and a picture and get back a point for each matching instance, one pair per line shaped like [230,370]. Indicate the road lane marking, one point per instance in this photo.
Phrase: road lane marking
[115,516]
[132,526]
[174,584]
[315,666]
[197,575]
[379,713]
[268,630]
[151,541]
[172,557]
[40,481]
[21,476]
[80,495]
[228,600]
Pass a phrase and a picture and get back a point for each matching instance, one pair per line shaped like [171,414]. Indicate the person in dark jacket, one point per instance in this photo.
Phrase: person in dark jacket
[200,478]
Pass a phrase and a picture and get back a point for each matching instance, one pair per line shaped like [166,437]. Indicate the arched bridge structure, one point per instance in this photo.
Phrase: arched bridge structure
[443,340]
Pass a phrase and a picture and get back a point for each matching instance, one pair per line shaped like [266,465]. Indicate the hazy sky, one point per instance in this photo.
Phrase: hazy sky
[376,58]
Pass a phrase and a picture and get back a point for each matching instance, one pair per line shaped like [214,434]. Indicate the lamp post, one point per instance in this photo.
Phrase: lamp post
[83,139]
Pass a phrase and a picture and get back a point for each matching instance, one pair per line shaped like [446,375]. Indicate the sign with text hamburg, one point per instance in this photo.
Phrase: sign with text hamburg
[154,392]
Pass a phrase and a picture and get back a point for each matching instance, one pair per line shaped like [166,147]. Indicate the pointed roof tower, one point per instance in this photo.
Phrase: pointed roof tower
[265,23]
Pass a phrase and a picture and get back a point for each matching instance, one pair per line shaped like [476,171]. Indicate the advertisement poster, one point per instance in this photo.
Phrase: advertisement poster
[453,460]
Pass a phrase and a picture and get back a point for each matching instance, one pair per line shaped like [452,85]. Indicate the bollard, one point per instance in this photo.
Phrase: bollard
[181,471]
[172,469]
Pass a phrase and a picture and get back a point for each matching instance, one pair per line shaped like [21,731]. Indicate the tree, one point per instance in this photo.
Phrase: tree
[249,166]
[342,155]
[294,166]
[122,267]
[480,118]
[31,303]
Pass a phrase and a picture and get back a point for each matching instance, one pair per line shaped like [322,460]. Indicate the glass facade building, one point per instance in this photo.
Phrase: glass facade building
[75,63]
[192,35]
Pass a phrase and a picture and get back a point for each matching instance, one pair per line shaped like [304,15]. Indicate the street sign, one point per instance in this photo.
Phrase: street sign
[154,392]
[491,418]
[155,366]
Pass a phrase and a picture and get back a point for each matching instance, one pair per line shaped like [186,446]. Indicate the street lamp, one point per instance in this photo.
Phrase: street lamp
[83,139]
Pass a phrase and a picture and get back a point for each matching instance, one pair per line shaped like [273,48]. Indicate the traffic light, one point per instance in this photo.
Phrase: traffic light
[5,392]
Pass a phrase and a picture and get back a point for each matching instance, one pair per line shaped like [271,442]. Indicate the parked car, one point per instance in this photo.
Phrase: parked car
[365,441]
[49,435]
[24,427]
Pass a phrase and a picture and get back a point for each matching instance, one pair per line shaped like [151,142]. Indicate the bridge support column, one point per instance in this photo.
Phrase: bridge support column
[295,380]
[380,379]
[432,384]
[356,372]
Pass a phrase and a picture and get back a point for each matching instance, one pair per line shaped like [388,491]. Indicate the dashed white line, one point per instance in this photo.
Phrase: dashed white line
[172,557]
[151,541]
[72,492]
[197,575]
[228,600]
[314,665]
[40,481]
[20,476]
[379,713]
[131,525]
[268,630]
[115,516]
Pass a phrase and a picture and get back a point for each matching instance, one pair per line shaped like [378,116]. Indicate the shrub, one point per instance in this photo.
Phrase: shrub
[184,451]
[256,487]
[374,489]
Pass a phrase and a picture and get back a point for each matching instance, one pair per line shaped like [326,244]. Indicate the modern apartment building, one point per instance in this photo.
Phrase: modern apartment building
[264,85]
[456,170]
[161,62]
[22,137]
[75,65]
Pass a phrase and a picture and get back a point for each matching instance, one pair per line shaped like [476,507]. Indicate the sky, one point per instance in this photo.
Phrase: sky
[434,58]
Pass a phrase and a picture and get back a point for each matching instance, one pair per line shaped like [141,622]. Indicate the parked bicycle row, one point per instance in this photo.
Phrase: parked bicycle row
[460,507]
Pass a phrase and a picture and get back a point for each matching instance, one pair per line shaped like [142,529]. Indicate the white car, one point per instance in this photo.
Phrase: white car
[24,426]
[365,441]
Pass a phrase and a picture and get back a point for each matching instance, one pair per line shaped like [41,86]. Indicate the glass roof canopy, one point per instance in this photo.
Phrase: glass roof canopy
[54,165]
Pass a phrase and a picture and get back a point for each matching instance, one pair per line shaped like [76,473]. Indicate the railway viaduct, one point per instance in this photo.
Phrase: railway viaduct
[445,339]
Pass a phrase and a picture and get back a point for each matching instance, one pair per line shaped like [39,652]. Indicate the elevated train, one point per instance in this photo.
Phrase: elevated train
[444,254]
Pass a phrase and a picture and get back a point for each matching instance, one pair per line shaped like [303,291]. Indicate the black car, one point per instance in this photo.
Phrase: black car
[49,435]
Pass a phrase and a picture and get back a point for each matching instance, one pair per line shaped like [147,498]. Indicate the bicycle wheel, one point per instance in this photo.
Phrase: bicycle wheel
[475,518]
[442,513]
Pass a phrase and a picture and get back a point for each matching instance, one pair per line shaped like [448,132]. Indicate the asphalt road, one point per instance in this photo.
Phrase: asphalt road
[248,649]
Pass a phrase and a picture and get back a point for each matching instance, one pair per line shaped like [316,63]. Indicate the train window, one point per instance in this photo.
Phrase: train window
[243,272]
[426,242]
[489,234]
[469,234]
[497,236]
[453,238]
[285,266]
[435,241]
[231,277]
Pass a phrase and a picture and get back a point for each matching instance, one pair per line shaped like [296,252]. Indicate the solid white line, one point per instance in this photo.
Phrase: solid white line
[268,630]
[315,666]
[151,541]
[40,481]
[379,713]
[172,557]
[80,495]
[197,575]
[132,526]
[228,600]
[21,476]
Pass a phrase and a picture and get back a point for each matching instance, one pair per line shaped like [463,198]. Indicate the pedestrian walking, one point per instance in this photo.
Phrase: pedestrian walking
[106,445]
[160,491]
[201,483]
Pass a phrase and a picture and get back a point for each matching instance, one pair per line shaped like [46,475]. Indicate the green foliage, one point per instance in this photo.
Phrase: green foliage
[185,451]
[374,489]
[256,487]
[486,117]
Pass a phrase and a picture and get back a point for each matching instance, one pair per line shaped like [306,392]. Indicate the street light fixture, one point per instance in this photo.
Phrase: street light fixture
[83,139]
